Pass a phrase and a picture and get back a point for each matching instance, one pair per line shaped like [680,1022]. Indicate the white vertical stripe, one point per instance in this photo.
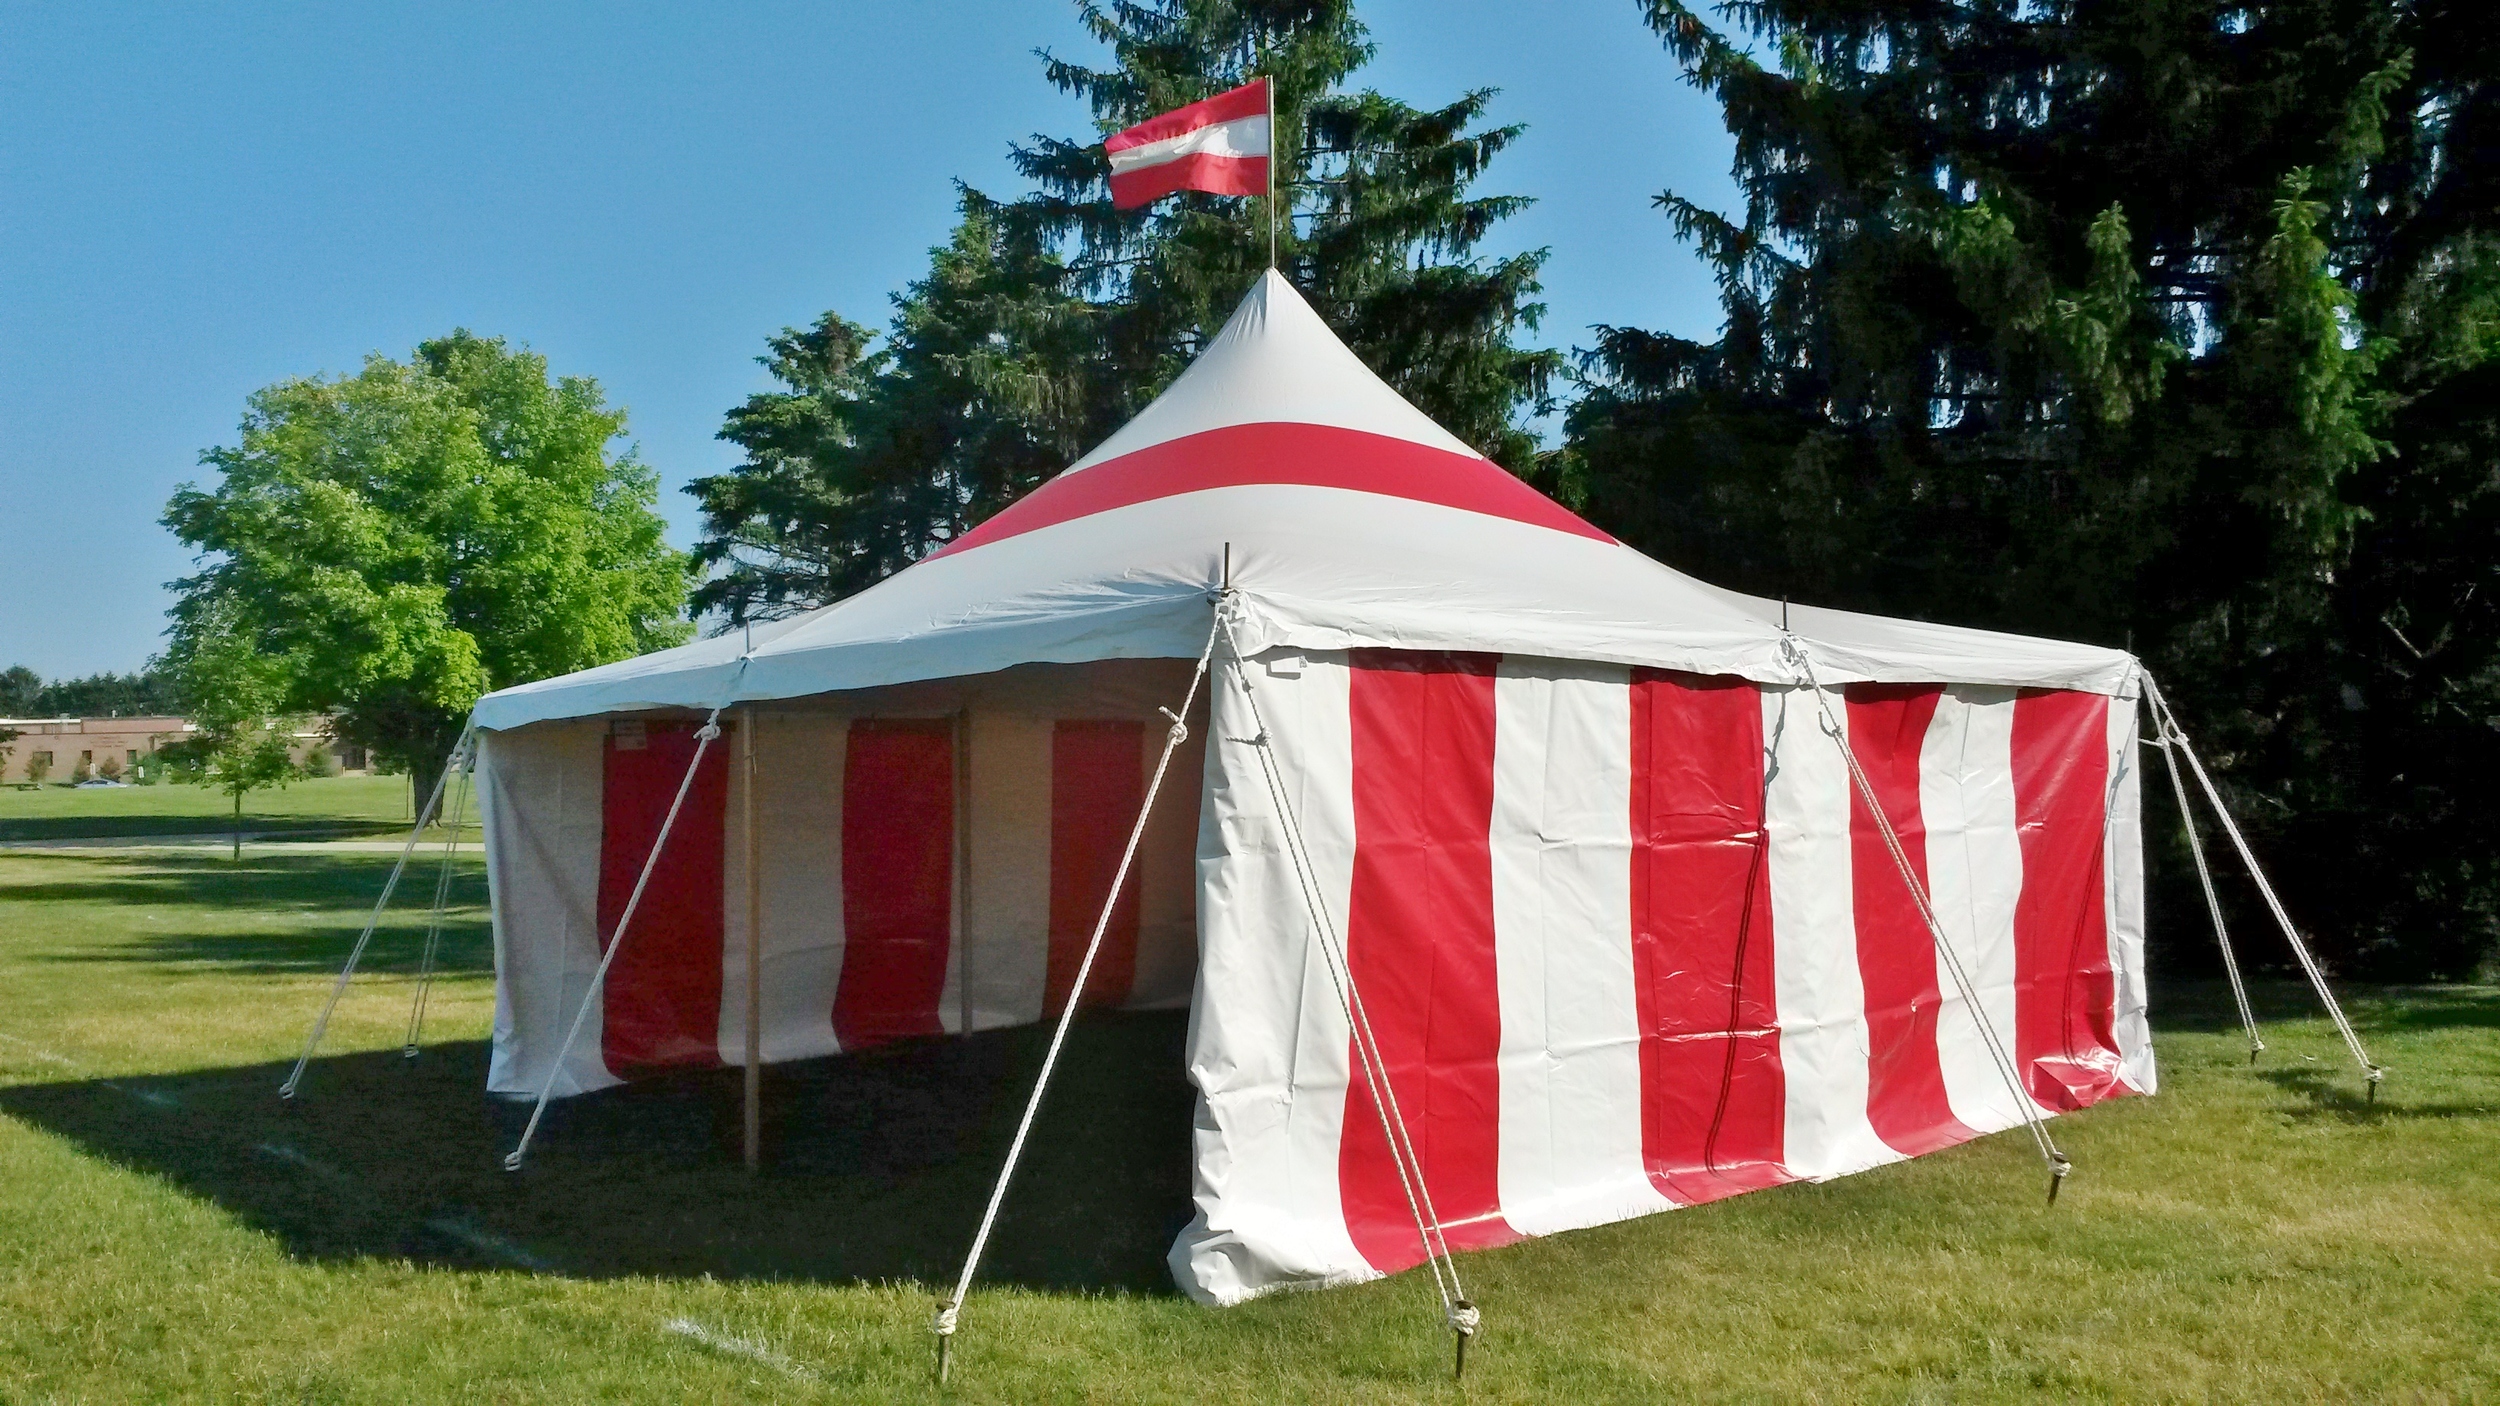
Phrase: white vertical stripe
[1562,918]
[1822,1000]
[1268,1039]
[798,810]
[2123,868]
[1975,881]
[540,791]
[1007,911]
[1240,137]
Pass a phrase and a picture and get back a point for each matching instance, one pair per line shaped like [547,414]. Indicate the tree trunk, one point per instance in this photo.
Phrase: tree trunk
[238,825]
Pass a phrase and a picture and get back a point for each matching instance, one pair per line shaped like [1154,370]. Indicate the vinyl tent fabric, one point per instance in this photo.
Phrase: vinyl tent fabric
[1627,936]
[1622,951]
[878,924]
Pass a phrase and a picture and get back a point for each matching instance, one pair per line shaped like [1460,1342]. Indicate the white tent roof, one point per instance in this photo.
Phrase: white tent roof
[1352,520]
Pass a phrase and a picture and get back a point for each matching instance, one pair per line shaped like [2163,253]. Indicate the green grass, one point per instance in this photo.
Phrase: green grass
[169,1231]
[320,807]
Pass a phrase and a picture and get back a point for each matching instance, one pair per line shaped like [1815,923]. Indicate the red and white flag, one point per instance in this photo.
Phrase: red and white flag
[1219,145]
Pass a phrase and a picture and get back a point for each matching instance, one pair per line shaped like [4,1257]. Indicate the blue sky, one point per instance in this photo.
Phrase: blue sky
[198,201]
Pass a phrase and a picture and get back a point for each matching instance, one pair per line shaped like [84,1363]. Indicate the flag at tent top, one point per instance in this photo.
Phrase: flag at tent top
[1276,399]
[1219,146]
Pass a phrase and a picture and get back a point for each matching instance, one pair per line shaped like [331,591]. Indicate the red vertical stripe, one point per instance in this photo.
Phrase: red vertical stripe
[661,1004]
[1905,1097]
[1713,1096]
[2064,995]
[1419,941]
[1097,784]
[898,872]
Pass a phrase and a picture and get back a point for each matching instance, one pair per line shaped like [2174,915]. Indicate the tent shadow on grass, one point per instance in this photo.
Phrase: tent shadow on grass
[876,1164]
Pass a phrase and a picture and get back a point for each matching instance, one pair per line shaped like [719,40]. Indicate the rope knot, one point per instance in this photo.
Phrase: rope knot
[709,732]
[944,1324]
[1465,1318]
[1180,730]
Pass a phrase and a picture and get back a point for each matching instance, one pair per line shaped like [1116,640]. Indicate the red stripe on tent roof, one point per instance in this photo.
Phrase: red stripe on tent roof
[898,877]
[1285,453]
[1905,1097]
[2065,1037]
[661,1003]
[1713,1095]
[1420,947]
[1097,786]
[1231,105]
[1200,170]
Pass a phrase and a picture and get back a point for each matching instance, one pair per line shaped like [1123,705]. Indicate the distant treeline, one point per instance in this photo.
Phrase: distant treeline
[24,694]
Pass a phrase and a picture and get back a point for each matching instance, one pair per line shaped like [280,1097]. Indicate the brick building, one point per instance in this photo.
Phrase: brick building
[66,743]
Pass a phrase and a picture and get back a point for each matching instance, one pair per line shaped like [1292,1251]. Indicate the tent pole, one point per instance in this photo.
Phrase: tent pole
[355,954]
[2371,1074]
[950,1309]
[704,737]
[754,1079]
[959,904]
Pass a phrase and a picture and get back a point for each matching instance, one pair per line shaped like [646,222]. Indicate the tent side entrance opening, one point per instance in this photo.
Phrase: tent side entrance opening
[1653,893]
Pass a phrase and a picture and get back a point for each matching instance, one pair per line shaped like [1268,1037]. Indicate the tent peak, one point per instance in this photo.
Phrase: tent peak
[1275,360]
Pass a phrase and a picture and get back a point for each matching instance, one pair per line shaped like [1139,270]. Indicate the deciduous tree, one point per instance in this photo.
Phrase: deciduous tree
[402,540]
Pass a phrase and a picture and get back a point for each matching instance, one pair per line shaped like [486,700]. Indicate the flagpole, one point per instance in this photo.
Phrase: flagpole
[1271,170]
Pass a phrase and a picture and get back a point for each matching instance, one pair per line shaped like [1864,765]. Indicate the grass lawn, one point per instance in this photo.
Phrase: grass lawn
[169,1231]
[325,806]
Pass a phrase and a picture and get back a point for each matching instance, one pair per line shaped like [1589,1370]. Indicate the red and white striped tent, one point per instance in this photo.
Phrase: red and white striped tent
[1627,935]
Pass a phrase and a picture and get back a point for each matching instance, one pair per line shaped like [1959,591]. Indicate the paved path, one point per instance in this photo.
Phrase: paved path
[270,845]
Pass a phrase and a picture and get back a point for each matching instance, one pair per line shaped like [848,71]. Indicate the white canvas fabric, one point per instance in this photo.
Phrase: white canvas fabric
[1269,1045]
[1319,567]
[1629,957]
[542,805]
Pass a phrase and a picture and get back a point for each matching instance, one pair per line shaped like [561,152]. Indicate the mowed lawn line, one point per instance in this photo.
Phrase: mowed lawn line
[360,805]
[2249,1234]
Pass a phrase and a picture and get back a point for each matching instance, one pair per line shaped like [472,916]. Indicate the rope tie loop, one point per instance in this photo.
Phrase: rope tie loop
[944,1324]
[1179,732]
[1464,1319]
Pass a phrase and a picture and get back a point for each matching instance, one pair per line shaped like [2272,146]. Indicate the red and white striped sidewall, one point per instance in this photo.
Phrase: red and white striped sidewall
[863,894]
[1629,940]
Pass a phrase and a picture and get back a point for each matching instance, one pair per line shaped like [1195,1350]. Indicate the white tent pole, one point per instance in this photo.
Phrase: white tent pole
[355,954]
[616,943]
[2205,878]
[2371,1073]
[959,898]
[948,1312]
[753,1076]
[454,825]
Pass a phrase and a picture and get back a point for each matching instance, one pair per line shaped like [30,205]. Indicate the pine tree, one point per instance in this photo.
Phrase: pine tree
[1052,318]
[2091,319]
